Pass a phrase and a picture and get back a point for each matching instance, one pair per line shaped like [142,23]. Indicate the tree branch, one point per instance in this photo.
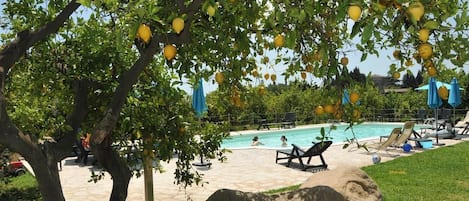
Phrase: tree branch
[25,39]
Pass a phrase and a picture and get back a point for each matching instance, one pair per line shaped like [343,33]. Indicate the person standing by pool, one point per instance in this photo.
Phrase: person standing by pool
[256,142]
[284,141]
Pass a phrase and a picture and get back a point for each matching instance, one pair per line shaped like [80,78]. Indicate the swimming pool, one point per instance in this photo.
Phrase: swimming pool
[304,136]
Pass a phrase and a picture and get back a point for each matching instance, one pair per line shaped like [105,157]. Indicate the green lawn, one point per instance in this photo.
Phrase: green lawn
[20,188]
[438,174]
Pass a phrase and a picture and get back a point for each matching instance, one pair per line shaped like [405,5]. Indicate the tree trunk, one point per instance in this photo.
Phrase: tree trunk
[45,168]
[47,176]
[43,158]
[117,168]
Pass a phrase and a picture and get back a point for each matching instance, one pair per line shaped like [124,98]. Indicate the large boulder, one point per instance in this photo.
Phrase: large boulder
[235,195]
[317,193]
[351,182]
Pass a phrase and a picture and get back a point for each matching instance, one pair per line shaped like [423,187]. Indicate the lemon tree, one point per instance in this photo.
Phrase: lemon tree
[102,51]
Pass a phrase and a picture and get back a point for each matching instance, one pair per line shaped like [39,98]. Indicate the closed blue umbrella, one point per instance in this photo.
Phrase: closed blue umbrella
[199,105]
[433,101]
[345,97]
[454,95]
[198,100]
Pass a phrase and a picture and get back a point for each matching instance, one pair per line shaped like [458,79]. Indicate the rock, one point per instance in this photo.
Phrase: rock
[235,195]
[317,193]
[351,182]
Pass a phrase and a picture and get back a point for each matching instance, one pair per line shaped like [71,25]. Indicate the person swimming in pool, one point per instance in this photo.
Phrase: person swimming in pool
[284,141]
[256,142]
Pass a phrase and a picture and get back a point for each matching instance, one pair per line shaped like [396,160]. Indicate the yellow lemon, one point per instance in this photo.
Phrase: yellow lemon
[255,73]
[319,110]
[416,10]
[443,93]
[182,130]
[328,109]
[432,72]
[425,50]
[236,100]
[303,75]
[354,97]
[244,73]
[344,61]
[408,63]
[279,40]
[262,90]
[178,25]
[354,12]
[396,75]
[219,77]
[396,54]
[273,77]
[169,52]
[424,35]
[144,33]
[356,114]
[211,11]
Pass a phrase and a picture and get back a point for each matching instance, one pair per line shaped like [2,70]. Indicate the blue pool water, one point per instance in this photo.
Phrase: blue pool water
[304,136]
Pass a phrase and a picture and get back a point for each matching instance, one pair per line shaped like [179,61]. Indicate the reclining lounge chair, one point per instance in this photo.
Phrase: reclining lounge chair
[407,131]
[297,153]
[390,140]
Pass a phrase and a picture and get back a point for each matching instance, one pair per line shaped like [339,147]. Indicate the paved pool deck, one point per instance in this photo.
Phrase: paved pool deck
[252,169]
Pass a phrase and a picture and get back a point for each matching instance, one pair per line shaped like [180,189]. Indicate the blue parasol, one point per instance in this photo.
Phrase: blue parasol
[198,99]
[454,95]
[433,101]
[345,97]
[199,105]
[438,85]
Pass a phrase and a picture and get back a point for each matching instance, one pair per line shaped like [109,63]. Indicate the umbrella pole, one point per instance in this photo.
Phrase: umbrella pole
[454,116]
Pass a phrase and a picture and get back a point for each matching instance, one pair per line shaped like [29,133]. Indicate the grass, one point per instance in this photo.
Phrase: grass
[20,188]
[280,190]
[437,174]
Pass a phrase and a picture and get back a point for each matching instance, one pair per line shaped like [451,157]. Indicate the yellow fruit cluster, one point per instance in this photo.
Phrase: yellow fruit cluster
[219,77]
[279,40]
[354,12]
[169,52]
[178,25]
[144,33]
[443,93]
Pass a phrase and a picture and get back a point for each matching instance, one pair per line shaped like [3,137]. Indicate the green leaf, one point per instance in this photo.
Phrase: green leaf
[431,25]
[364,55]
[86,3]
[291,39]
[355,29]
[367,33]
